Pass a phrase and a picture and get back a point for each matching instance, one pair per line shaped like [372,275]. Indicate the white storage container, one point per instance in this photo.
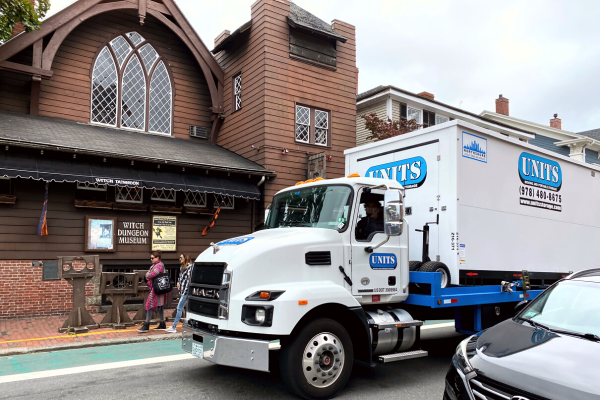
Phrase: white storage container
[504,205]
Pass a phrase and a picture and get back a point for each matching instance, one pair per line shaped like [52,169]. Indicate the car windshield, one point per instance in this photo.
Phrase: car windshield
[316,207]
[569,306]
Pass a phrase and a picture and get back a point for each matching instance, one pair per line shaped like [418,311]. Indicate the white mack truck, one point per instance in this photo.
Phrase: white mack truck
[333,278]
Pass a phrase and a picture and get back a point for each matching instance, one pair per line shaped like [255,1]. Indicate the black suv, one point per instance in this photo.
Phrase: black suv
[550,350]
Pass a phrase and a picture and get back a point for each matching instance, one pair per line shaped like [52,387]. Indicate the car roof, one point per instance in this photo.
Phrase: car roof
[590,275]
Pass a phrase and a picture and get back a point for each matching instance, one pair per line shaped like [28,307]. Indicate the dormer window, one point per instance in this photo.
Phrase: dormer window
[131,87]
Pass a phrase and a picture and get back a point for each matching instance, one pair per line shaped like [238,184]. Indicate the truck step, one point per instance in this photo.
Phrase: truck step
[399,324]
[402,356]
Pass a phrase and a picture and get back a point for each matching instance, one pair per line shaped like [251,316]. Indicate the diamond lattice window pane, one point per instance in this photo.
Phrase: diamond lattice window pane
[321,119]
[302,133]
[126,194]
[163,195]
[149,56]
[104,89]
[195,199]
[133,99]
[302,115]
[237,91]
[321,136]
[224,201]
[160,101]
[135,37]
[121,48]
[91,186]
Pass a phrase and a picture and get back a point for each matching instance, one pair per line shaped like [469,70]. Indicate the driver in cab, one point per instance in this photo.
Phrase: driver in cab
[370,223]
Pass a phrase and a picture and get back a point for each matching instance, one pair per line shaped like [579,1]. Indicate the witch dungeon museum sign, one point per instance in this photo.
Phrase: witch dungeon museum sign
[133,233]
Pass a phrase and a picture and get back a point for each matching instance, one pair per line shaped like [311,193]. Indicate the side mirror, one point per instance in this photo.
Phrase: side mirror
[520,306]
[393,212]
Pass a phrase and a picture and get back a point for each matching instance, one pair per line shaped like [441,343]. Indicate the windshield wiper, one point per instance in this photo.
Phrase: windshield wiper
[588,336]
[294,223]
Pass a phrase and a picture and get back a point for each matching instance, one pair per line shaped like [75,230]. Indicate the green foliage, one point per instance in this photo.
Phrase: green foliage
[13,11]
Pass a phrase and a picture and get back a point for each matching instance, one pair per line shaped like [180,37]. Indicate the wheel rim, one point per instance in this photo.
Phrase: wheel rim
[444,276]
[323,360]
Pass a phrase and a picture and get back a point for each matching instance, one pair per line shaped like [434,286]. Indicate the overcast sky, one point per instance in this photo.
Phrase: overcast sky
[544,55]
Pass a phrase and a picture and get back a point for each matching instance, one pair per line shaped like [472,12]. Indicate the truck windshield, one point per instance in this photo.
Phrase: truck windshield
[569,306]
[316,207]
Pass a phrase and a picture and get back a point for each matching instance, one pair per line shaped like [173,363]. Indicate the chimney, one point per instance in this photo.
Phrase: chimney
[222,36]
[502,105]
[19,26]
[556,122]
[430,96]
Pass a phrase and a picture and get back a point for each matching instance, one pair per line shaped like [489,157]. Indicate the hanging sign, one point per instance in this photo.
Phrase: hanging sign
[164,233]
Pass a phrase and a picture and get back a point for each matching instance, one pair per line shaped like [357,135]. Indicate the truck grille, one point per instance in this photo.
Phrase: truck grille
[207,293]
[208,273]
[204,308]
[487,389]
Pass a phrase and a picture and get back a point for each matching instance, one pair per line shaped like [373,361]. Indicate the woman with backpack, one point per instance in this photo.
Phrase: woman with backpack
[185,272]
[155,302]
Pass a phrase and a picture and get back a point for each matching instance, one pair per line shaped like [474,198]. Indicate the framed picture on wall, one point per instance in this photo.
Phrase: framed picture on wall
[100,234]
[164,233]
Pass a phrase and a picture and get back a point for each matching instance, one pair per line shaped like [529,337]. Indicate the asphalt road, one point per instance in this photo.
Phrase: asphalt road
[198,379]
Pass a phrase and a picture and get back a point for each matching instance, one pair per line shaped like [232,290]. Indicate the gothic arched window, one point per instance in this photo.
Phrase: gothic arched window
[131,87]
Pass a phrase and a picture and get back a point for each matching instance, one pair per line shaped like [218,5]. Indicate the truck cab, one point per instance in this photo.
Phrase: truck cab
[309,286]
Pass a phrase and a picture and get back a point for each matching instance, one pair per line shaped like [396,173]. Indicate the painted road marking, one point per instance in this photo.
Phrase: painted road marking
[69,336]
[93,368]
[434,326]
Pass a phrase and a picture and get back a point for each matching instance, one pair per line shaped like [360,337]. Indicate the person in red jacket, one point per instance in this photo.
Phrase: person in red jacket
[155,302]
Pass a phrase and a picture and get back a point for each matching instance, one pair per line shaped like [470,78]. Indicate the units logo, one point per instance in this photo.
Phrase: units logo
[474,147]
[236,241]
[542,180]
[411,173]
[365,281]
[383,261]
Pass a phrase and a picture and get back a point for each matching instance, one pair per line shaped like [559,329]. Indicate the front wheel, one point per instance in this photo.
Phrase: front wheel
[317,362]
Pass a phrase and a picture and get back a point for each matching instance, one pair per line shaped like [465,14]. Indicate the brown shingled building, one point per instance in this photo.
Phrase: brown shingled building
[128,119]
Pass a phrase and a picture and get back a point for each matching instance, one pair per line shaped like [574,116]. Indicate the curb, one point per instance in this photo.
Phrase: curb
[80,345]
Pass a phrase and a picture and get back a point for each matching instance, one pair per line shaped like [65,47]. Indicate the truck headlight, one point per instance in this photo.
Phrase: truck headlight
[260,315]
[461,356]
[257,315]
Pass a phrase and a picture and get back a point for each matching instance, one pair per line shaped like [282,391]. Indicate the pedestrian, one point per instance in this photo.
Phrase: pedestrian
[155,302]
[182,285]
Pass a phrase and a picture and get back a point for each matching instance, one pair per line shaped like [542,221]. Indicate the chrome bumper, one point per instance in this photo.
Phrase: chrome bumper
[226,350]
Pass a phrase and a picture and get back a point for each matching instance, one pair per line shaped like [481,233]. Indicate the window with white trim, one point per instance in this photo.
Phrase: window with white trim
[126,194]
[131,86]
[163,195]
[195,199]
[226,202]
[412,113]
[237,92]
[440,119]
[312,125]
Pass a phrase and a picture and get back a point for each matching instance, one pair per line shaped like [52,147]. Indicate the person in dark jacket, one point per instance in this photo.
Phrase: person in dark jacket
[185,272]
[370,223]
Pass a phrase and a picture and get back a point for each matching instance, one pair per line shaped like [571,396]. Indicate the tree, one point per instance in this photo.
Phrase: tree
[382,129]
[26,12]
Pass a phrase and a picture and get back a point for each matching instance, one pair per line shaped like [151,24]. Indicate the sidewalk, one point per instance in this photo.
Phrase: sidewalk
[28,335]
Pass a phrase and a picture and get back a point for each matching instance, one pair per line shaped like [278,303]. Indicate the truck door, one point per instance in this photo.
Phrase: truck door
[373,274]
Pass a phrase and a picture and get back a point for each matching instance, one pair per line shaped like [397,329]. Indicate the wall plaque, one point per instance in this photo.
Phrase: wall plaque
[164,233]
[130,232]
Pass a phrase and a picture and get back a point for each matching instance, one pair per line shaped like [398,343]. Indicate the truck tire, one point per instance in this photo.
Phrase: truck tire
[316,363]
[436,266]
[414,265]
